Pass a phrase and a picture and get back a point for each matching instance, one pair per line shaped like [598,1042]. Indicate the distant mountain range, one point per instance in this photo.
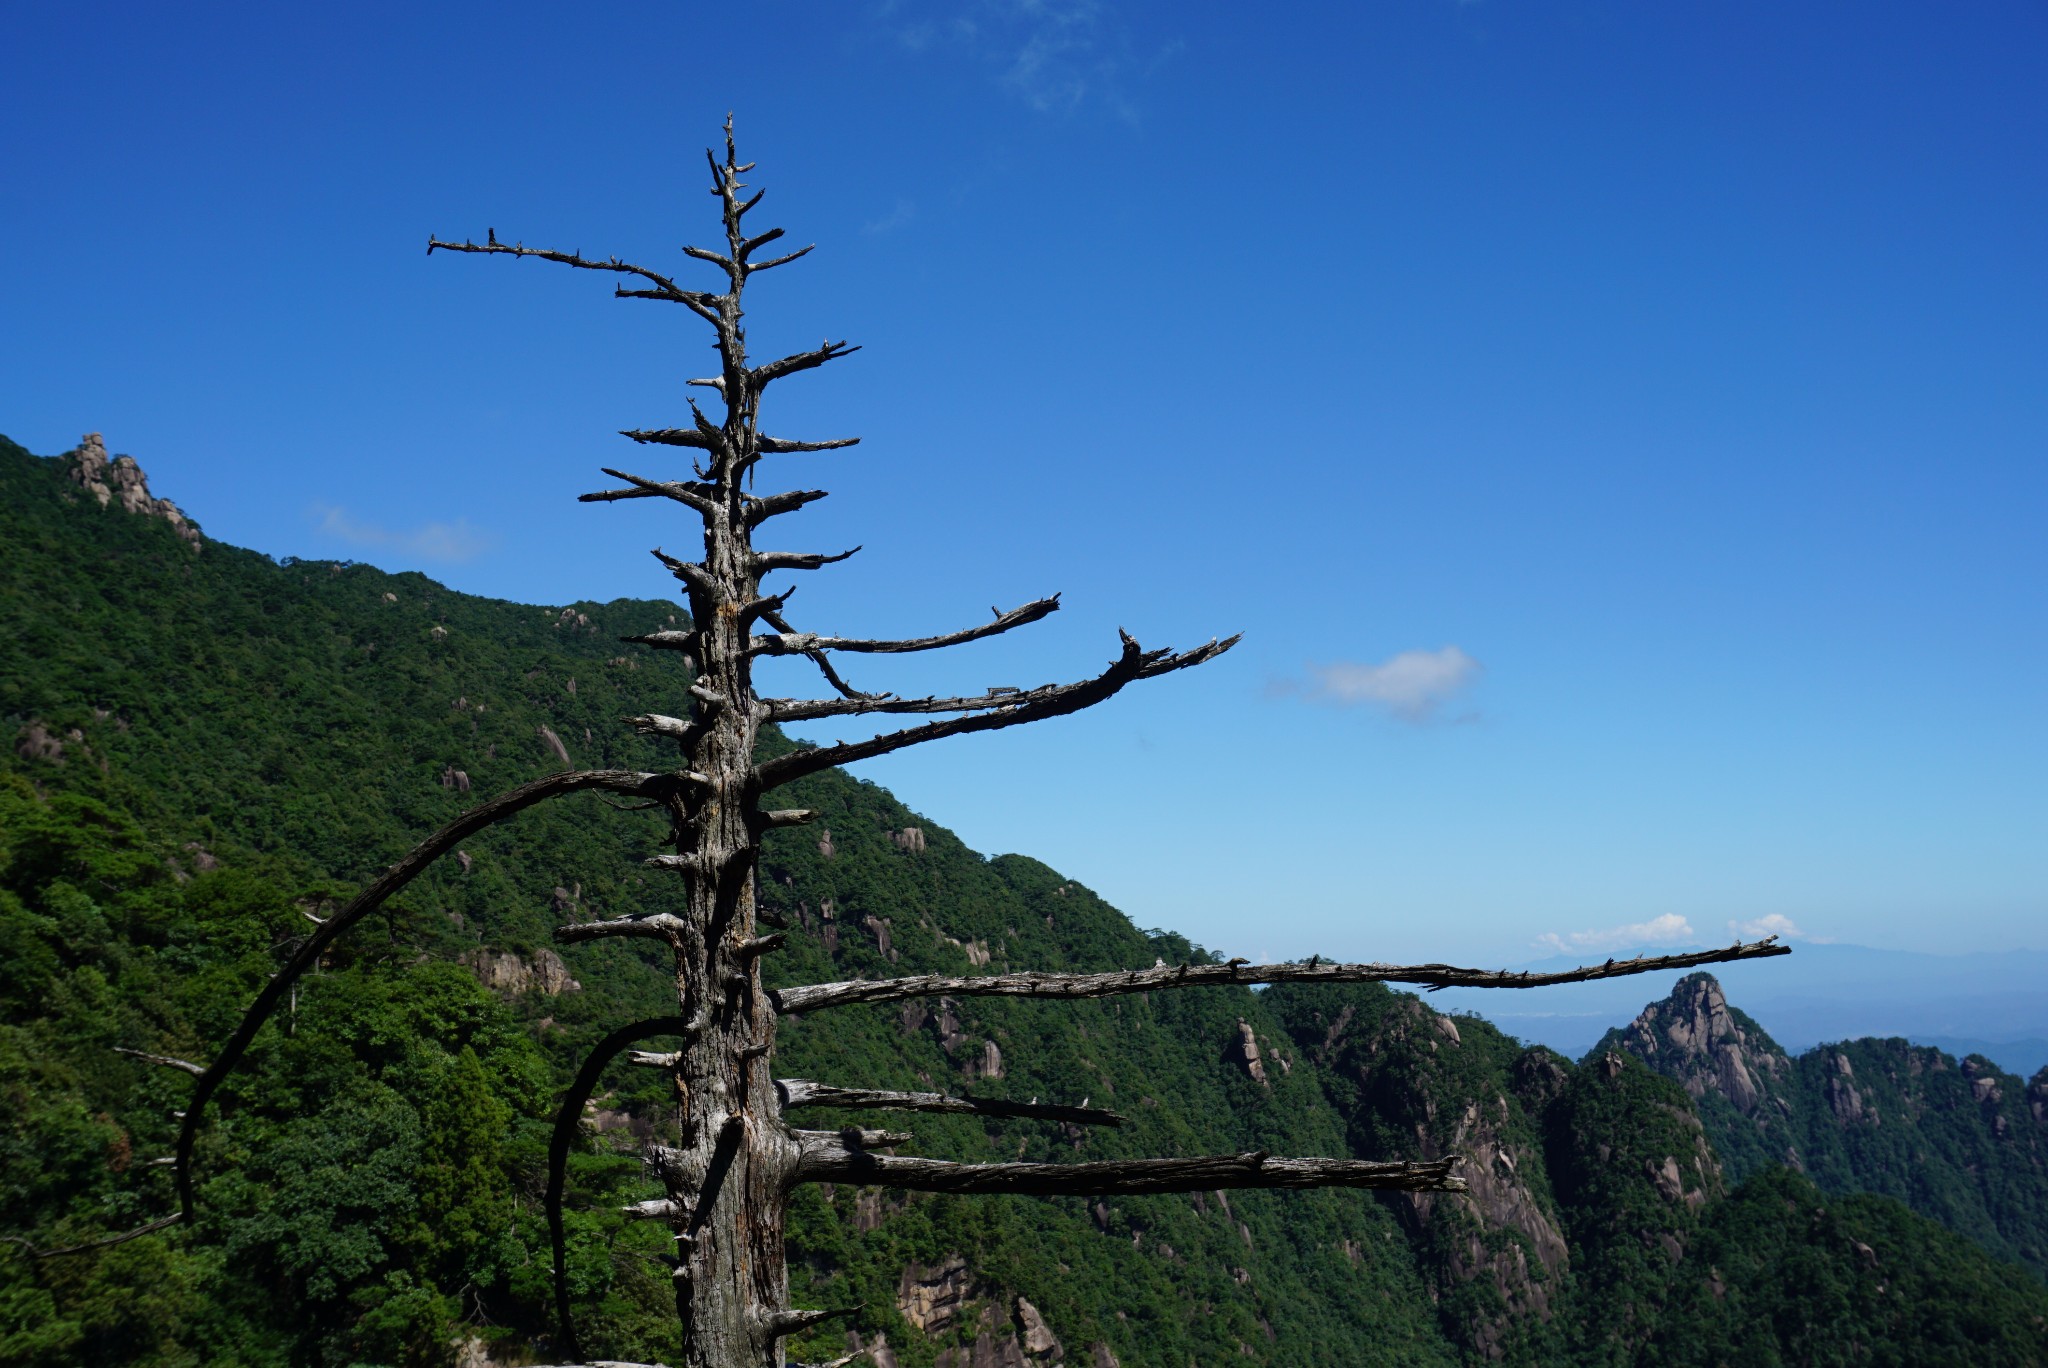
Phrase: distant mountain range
[1993,1004]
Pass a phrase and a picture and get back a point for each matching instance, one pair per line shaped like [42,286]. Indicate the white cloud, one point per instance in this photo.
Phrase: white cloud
[1773,925]
[1669,929]
[433,541]
[1412,685]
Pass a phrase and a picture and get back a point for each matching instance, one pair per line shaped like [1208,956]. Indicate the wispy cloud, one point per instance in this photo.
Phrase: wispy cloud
[1054,55]
[432,541]
[1774,924]
[1413,686]
[902,214]
[1669,929]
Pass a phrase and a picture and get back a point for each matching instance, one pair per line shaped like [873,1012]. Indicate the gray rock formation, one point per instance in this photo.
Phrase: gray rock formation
[121,480]
[510,974]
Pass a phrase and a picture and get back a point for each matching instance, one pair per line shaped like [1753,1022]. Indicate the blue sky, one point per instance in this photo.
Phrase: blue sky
[1618,429]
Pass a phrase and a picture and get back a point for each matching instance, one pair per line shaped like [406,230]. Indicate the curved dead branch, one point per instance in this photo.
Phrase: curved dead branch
[568,1120]
[368,901]
[1432,976]
[1053,701]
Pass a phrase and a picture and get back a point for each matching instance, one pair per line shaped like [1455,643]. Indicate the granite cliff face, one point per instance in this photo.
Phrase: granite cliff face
[120,480]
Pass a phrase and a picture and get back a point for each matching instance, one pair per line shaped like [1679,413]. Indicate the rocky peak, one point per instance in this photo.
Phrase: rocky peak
[122,479]
[1693,1036]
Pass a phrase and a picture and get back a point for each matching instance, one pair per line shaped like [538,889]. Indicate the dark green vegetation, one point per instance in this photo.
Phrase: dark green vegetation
[206,747]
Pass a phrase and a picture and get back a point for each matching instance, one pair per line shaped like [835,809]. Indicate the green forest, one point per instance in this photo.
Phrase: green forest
[209,749]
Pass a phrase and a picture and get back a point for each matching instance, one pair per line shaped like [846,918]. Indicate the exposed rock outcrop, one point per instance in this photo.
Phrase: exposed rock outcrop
[122,480]
[947,1300]
[554,743]
[38,742]
[1693,1038]
[1243,1051]
[935,1298]
[510,974]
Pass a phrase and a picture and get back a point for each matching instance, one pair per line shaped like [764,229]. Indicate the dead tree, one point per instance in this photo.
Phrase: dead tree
[728,1178]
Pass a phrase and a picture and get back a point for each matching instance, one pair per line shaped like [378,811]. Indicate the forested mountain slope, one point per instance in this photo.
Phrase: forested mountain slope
[208,747]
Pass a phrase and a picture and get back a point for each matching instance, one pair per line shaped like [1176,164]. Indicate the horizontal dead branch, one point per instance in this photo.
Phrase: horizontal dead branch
[196,1070]
[1432,976]
[681,437]
[660,724]
[826,1158]
[714,440]
[791,643]
[765,561]
[801,1092]
[665,640]
[630,783]
[784,446]
[662,926]
[860,1137]
[810,709]
[1053,701]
